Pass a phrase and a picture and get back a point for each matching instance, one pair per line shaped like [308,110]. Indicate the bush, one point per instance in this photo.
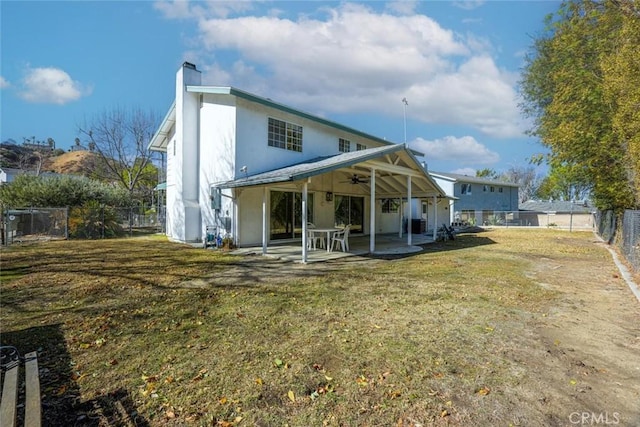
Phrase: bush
[93,221]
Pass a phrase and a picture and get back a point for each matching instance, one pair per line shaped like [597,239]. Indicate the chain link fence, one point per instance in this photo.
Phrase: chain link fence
[630,244]
[34,224]
[551,219]
[626,235]
[93,221]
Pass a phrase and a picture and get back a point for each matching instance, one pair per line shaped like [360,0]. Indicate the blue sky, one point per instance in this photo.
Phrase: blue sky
[456,62]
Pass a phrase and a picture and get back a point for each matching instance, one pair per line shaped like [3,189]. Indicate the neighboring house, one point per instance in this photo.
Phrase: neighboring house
[249,166]
[556,213]
[9,174]
[475,200]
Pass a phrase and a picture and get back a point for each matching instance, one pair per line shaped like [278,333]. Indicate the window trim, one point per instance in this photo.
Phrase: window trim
[284,135]
[344,145]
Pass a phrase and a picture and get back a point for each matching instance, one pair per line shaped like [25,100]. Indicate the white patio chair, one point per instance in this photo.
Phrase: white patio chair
[313,240]
[341,238]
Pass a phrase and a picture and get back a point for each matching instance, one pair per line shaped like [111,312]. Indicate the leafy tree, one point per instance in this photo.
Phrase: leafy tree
[564,182]
[621,67]
[570,87]
[487,173]
[120,138]
[59,190]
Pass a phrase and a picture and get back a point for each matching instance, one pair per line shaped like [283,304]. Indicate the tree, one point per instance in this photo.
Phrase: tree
[575,112]
[564,182]
[527,180]
[120,138]
[59,190]
[487,173]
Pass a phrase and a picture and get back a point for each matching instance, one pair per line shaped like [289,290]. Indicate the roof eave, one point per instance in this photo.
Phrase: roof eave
[160,138]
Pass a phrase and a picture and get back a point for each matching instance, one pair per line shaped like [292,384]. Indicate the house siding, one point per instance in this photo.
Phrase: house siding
[216,133]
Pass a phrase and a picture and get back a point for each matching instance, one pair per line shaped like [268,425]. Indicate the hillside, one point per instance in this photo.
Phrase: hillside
[72,162]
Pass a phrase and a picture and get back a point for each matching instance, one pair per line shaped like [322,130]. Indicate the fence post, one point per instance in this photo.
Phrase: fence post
[66,223]
[5,214]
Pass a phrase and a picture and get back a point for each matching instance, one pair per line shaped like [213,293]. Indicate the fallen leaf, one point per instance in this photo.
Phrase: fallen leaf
[292,397]
[259,381]
[483,391]
[444,413]
[222,400]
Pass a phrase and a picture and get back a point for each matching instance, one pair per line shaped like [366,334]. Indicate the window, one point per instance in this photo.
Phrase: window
[465,189]
[285,135]
[390,205]
[492,189]
[484,188]
[344,145]
[499,189]
[360,147]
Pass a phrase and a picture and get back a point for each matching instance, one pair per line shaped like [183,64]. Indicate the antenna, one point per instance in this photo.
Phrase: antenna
[404,115]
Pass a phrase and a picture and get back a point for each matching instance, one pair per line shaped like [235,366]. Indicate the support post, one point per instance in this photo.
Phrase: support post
[305,188]
[409,213]
[372,214]
[435,218]
[265,192]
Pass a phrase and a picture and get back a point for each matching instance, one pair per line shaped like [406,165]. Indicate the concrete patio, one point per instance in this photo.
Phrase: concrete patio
[386,244]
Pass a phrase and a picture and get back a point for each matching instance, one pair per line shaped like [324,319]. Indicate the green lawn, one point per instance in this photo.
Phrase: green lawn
[150,332]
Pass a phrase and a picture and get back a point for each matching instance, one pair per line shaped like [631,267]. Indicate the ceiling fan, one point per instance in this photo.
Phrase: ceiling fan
[355,179]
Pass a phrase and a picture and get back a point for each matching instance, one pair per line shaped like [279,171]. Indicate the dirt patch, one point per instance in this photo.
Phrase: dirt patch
[583,355]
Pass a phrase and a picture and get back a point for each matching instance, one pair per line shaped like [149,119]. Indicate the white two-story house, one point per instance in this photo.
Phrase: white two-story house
[261,171]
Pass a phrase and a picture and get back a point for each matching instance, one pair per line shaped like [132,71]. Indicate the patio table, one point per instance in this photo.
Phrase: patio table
[328,231]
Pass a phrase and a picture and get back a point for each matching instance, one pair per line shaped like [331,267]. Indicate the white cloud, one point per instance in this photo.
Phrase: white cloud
[4,83]
[468,4]
[465,171]
[402,7]
[354,59]
[183,9]
[51,86]
[464,151]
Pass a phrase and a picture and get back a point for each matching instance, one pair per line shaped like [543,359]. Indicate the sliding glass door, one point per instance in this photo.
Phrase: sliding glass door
[286,214]
[349,210]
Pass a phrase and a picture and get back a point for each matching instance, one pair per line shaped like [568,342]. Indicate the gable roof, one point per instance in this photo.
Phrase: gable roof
[159,141]
[364,158]
[472,179]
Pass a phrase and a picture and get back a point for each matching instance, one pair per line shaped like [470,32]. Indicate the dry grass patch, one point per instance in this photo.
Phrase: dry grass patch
[165,334]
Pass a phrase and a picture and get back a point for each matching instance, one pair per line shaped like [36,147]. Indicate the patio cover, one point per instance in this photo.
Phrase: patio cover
[392,165]
[391,171]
